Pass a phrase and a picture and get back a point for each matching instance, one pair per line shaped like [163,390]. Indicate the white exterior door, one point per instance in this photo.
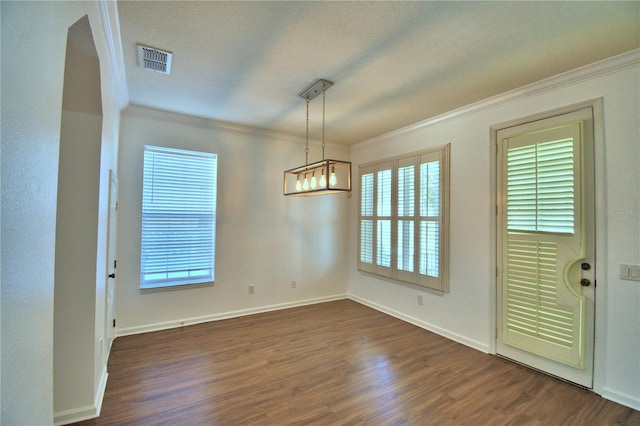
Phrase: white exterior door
[546,259]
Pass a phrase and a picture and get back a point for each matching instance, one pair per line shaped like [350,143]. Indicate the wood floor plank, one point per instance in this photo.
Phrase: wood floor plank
[335,363]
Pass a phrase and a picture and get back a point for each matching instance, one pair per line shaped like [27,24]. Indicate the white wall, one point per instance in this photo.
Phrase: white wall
[263,238]
[467,313]
[31,128]
[75,264]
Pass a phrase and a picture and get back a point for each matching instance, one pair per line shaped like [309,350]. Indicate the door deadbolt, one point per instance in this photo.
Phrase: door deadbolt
[585,266]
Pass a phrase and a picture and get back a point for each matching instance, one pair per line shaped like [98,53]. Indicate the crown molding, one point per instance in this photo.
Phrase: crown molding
[606,66]
[149,113]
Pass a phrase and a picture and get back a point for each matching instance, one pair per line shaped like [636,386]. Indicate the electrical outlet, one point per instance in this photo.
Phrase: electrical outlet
[252,289]
[293,284]
[630,272]
[420,299]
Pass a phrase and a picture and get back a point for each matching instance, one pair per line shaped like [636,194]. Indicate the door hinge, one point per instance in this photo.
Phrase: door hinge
[114,322]
[115,262]
[117,205]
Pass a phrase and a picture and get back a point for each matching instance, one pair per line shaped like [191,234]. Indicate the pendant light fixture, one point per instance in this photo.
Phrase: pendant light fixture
[322,177]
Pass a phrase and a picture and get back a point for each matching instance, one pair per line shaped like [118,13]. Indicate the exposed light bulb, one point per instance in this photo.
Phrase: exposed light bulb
[332,179]
[305,184]
[298,184]
[323,180]
[314,181]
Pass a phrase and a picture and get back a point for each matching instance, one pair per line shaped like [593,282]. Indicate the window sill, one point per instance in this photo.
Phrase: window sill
[174,287]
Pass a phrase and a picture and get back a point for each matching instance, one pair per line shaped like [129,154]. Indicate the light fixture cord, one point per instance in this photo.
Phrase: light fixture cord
[306,151]
[324,91]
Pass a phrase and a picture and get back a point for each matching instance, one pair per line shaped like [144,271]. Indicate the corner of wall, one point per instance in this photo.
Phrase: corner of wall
[84,413]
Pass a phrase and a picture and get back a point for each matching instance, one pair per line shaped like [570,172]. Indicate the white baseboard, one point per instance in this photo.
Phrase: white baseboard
[423,324]
[87,412]
[75,415]
[102,387]
[620,398]
[221,316]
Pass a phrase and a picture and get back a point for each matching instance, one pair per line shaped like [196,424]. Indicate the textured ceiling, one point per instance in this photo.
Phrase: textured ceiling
[393,63]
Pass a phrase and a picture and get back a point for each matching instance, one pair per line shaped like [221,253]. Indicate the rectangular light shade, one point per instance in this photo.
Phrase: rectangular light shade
[337,178]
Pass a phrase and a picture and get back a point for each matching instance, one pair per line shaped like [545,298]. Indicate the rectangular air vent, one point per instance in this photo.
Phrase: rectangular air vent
[154,59]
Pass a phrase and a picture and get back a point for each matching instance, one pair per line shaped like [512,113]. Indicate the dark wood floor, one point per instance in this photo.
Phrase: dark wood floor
[337,363]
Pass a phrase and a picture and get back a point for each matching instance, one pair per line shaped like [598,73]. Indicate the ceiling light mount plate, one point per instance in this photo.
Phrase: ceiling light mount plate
[315,89]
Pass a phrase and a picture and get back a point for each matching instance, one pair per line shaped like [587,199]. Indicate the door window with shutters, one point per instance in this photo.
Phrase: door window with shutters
[403,223]
[542,239]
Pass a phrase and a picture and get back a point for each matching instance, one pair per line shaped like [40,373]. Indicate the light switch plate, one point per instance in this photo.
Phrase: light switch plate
[630,272]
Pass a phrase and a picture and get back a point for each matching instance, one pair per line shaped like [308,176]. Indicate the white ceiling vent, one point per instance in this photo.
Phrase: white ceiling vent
[154,59]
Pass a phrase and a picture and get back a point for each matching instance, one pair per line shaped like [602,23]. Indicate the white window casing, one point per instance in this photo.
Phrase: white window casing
[178,218]
[404,217]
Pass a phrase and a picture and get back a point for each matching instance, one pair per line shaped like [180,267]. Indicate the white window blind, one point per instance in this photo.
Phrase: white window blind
[533,308]
[404,236]
[366,213]
[383,236]
[540,191]
[406,217]
[178,217]
[430,218]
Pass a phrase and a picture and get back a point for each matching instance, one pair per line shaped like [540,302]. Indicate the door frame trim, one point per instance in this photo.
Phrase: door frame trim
[600,313]
[113,178]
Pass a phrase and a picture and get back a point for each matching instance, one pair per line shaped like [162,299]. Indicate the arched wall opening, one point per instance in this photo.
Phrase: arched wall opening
[76,344]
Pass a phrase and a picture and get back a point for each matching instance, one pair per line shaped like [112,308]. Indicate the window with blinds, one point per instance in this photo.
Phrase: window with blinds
[429,218]
[383,213]
[540,191]
[404,218]
[178,217]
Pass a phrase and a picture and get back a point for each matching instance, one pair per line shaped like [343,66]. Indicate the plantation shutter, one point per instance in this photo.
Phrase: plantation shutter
[403,229]
[367,200]
[406,219]
[542,302]
[178,217]
[430,217]
[384,177]
[540,189]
